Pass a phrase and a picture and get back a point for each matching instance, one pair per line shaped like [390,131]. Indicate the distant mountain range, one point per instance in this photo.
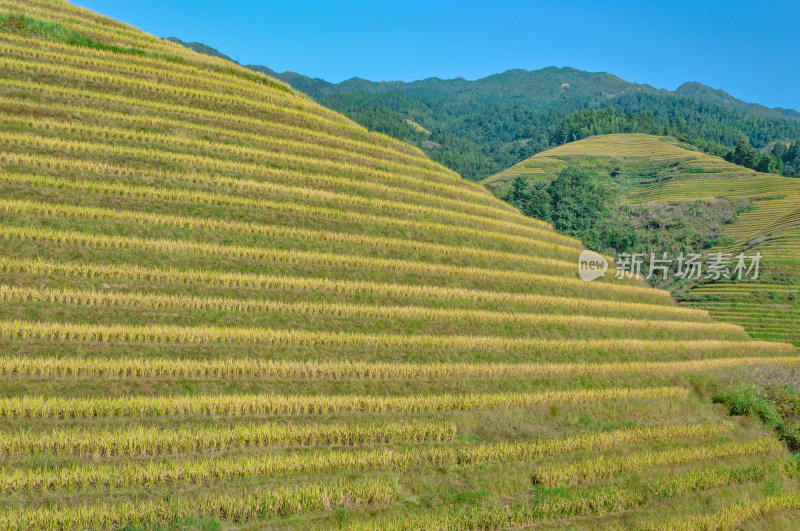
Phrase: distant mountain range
[537,87]
[483,126]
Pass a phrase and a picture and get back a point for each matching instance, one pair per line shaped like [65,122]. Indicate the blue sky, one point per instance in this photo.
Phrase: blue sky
[749,49]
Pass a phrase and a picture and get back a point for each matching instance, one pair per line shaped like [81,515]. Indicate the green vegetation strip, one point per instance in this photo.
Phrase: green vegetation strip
[775,406]
[55,32]
[203,470]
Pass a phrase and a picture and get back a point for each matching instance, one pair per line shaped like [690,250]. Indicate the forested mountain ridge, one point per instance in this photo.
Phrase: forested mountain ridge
[700,91]
[481,127]
[199,47]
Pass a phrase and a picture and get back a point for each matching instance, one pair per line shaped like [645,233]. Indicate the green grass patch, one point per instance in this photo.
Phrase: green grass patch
[52,31]
[55,32]
[776,407]
[745,402]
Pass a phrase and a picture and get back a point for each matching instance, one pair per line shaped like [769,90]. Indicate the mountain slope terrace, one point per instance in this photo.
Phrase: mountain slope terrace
[222,302]
[659,170]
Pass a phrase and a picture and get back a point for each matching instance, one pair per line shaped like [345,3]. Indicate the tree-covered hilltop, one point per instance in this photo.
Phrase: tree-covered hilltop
[481,127]
[705,131]
[486,138]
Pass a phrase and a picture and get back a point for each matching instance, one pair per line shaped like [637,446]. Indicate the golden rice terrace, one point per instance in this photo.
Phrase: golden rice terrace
[768,307]
[224,305]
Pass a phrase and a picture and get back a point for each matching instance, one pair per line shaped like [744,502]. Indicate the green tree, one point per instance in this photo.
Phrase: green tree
[780,149]
[791,160]
[749,157]
[540,204]
[518,195]
[744,155]
[578,202]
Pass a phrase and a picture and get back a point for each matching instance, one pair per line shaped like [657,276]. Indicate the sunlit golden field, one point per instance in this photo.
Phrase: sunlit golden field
[223,305]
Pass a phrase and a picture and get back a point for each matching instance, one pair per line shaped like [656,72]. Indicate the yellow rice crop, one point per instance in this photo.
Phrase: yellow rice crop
[148,300]
[156,441]
[731,516]
[267,85]
[79,148]
[588,502]
[238,506]
[244,405]
[222,278]
[201,223]
[204,164]
[256,368]
[114,32]
[157,122]
[601,467]
[210,198]
[145,68]
[251,124]
[203,470]
[51,331]
[300,102]
[142,67]
[171,246]
[69,15]
[205,223]
[132,38]
[265,168]
[269,177]
[10,64]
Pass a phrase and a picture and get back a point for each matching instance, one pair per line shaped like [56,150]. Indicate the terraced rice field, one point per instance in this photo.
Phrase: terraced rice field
[768,307]
[223,305]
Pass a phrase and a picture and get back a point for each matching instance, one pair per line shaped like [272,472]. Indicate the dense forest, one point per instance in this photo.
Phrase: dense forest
[482,127]
[789,156]
[496,136]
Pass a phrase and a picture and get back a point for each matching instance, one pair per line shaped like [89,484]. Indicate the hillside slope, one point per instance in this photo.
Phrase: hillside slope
[222,301]
[480,127]
[659,170]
